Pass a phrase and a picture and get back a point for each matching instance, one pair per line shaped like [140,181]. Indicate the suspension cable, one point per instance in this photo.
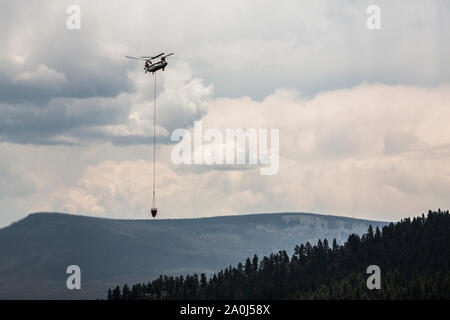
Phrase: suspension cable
[154,143]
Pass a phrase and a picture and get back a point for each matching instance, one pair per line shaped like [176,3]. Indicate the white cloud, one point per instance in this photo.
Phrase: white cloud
[371,151]
[181,99]
[124,189]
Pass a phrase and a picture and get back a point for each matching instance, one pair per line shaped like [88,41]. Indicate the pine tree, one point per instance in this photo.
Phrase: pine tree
[335,245]
[126,293]
[326,247]
[116,295]
[255,263]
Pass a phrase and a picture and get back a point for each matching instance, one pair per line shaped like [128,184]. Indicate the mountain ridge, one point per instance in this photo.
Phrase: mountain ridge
[80,215]
[35,251]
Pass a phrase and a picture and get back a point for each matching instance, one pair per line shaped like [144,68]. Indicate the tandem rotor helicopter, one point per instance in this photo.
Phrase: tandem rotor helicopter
[153,67]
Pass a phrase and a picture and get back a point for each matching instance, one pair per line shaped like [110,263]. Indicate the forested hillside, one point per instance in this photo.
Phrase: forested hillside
[413,256]
[39,248]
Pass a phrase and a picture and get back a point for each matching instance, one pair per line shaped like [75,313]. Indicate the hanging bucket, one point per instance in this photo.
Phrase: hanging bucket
[154,212]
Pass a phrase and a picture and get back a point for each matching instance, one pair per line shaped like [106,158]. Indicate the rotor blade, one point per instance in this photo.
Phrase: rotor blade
[166,55]
[154,57]
[136,58]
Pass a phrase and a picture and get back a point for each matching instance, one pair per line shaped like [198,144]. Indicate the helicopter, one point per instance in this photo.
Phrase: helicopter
[153,67]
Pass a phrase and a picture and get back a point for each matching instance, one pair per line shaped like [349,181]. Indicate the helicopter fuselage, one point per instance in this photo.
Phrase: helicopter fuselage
[155,67]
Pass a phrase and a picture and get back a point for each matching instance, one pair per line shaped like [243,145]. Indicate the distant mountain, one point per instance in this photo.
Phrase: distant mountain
[35,252]
[410,259]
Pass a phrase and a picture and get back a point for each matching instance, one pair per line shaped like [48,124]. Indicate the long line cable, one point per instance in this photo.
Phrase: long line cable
[154,143]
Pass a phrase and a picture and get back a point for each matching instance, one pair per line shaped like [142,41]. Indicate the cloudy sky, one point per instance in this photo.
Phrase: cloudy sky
[363,114]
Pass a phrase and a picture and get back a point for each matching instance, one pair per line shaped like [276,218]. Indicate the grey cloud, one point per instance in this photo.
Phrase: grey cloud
[244,49]
[34,33]
[98,78]
[124,119]
[29,123]
[121,140]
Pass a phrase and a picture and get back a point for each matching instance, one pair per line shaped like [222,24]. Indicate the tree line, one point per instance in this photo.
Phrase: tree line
[413,256]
